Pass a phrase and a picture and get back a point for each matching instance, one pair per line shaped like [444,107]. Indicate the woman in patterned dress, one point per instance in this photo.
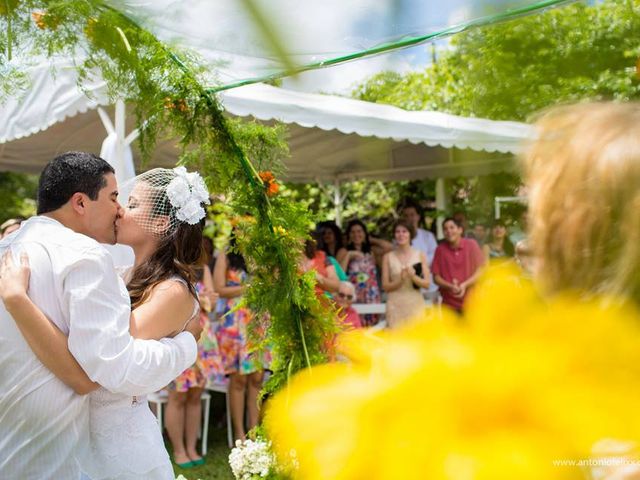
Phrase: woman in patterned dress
[184,407]
[359,263]
[244,367]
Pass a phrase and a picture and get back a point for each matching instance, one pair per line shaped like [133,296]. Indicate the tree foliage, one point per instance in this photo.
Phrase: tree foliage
[17,195]
[373,202]
[512,70]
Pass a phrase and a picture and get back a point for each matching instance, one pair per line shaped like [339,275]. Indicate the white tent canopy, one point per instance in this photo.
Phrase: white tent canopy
[331,138]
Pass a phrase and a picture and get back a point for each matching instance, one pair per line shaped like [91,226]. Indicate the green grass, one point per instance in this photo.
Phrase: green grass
[217,466]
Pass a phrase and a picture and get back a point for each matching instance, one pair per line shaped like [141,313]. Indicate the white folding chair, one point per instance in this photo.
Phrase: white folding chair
[224,388]
[158,399]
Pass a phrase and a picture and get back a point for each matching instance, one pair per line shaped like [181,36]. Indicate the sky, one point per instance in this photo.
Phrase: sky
[224,33]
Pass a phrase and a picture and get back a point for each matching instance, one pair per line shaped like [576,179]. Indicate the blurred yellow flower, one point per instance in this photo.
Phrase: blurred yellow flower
[511,392]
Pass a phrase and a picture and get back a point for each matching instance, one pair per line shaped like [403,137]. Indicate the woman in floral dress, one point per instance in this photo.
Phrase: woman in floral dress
[359,263]
[184,407]
[244,367]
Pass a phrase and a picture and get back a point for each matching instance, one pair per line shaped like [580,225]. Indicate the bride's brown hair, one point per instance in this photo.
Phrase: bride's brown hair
[178,254]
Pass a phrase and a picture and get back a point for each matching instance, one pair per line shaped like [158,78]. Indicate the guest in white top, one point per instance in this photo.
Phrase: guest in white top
[76,320]
[424,240]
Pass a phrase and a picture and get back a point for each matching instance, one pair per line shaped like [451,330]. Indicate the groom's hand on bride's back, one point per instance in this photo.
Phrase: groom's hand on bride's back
[194,327]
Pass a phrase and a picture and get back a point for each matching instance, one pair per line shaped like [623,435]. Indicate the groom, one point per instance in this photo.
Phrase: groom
[44,423]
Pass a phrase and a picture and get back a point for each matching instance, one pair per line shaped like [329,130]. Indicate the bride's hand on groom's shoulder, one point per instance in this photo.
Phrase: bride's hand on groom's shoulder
[14,278]
[194,327]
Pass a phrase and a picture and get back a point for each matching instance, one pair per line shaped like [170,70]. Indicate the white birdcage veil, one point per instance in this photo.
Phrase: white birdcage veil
[160,199]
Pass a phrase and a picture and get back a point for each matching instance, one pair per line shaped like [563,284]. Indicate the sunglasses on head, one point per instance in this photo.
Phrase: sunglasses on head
[345,296]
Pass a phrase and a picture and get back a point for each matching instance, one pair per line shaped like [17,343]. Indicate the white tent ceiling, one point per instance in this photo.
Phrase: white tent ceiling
[330,137]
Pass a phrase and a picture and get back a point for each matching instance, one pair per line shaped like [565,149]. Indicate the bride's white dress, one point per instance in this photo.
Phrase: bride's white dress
[125,440]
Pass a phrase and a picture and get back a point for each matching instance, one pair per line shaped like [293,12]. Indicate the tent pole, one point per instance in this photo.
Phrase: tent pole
[120,120]
[441,204]
[106,121]
[337,201]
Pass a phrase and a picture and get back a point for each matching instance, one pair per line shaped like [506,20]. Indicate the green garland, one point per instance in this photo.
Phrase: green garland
[238,159]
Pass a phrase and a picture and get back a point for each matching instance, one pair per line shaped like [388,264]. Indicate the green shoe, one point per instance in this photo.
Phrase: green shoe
[186,465]
[200,461]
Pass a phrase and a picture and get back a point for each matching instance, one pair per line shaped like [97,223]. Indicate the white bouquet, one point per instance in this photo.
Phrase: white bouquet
[251,459]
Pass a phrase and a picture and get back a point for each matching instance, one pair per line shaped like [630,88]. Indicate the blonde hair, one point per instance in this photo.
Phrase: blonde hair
[583,173]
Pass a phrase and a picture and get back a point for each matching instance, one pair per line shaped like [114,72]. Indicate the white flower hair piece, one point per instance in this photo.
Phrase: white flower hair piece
[187,192]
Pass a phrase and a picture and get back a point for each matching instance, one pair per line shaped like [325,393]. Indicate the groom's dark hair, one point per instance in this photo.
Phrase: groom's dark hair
[70,173]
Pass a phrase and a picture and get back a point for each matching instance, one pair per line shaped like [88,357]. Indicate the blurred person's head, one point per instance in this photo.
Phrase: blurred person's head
[480,232]
[452,230]
[583,174]
[403,232]
[10,226]
[498,230]
[235,260]
[412,213]
[208,250]
[80,190]
[357,236]
[329,237]
[346,294]
[310,248]
[499,234]
[461,220]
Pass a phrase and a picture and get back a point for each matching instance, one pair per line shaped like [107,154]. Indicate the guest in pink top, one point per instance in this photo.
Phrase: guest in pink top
[344,298]
[456,265]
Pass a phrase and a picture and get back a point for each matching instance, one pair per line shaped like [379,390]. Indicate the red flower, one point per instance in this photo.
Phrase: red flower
[269,182]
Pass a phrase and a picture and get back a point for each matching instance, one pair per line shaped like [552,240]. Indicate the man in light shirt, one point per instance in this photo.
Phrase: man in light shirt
[43,422]
[424,241]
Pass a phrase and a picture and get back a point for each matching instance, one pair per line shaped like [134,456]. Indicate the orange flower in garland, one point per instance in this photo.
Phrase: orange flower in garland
[44,20]
[178,104]
[38,18]
[269,180]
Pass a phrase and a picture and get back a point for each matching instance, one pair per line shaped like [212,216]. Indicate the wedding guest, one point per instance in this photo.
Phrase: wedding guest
[498,244]
[244,367]
[329,239]
[344,299]
[456,265]
[326,277]
[461,220]
[359,263]
[184,407]
[424,240]
[405,271]
[480,233]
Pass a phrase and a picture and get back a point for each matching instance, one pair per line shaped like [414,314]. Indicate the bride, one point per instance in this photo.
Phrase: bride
[162,222]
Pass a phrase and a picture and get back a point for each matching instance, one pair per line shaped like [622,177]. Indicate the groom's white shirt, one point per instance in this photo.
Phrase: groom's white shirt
[43,423]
